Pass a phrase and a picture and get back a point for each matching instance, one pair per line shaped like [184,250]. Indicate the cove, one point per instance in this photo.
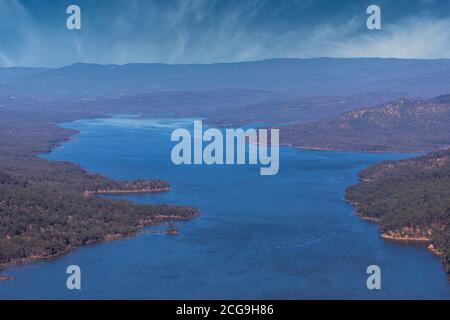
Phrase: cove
[287,236]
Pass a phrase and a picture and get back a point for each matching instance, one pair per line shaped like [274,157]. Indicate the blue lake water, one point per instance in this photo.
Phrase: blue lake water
[288,236]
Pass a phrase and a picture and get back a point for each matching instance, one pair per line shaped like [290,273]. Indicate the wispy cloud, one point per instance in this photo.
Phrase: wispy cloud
[410,38]
[206,31]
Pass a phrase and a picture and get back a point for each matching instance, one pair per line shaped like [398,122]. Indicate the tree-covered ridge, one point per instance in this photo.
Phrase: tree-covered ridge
[403,125]
[410,198]
[41,222]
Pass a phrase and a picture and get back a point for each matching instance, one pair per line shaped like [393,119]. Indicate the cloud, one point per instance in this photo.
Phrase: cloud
[9,9]
[410,38]
[207,31]
[6,61]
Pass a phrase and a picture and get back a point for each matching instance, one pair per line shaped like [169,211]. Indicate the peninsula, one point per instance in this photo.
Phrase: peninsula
[46,206]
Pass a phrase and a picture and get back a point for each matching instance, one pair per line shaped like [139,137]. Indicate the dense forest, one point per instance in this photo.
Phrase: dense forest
[44,207]
[41,222]
[410,198]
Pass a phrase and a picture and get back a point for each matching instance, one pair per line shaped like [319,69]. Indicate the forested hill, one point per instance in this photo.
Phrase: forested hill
[410,198]
[402,125]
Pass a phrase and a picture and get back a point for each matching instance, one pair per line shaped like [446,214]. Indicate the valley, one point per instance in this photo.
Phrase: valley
[406,109]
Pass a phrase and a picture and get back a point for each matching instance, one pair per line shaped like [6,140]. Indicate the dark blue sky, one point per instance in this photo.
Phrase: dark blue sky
[33,32]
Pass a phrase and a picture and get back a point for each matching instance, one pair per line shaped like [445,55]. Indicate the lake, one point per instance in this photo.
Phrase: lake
[288,236]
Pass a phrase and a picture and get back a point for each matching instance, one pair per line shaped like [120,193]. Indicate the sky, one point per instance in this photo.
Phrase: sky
[34,32]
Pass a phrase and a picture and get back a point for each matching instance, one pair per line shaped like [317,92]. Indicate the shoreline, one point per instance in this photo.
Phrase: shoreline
[130,191]
[112,237]
[355,150]
[390,236]
[158,219]
[420,239]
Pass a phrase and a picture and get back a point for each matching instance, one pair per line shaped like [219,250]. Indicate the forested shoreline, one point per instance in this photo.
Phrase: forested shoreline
[409,199]
[44,210]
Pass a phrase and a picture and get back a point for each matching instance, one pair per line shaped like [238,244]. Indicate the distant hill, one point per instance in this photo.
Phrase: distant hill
[402,125]
[17,74]
[299,77]
[227,107]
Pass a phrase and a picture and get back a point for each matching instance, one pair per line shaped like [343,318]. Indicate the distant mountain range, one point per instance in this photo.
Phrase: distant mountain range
[402,125]
[298,77]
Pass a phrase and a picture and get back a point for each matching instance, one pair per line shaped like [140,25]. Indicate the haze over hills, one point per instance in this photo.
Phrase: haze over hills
[11,75]
[405,125]
[298,77]
[231,107]
[279,91]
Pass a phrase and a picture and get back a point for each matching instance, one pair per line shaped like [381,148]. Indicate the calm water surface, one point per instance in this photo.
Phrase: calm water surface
[286,236]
